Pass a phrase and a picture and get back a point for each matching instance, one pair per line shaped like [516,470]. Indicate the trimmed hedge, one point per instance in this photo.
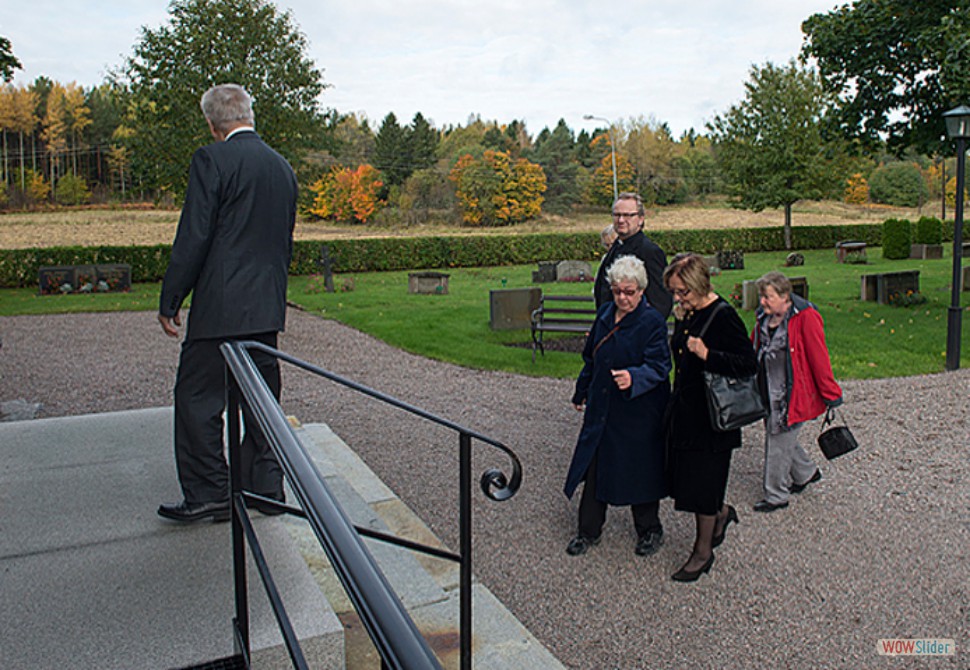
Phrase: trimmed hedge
[929,230]
[897,237]
[19,267]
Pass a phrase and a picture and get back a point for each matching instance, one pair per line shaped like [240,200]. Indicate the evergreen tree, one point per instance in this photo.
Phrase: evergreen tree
[555,152]
[391,151]
[422,141]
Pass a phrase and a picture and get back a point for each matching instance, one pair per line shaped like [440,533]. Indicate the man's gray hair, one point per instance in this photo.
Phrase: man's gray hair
[635,197]
[627,268]
[226,106]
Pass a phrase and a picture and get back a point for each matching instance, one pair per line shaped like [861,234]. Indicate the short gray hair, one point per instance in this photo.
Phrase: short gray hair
[775,280]
[227,105]
[627,268]
[635,197]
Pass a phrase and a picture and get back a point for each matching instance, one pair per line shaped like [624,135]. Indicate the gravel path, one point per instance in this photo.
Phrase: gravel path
[878,549]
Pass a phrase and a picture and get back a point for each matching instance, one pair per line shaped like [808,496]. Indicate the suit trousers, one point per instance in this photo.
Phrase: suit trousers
[785,463]
[200,401]
[592,512]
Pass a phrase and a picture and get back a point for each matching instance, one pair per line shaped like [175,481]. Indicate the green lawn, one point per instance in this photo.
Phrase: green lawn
[866,340]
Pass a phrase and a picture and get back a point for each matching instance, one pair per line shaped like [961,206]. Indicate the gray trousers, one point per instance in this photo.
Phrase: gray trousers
[785,463]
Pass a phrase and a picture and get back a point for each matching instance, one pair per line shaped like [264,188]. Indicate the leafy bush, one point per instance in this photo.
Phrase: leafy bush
[898,184]
[897,238]
[72,190]
[929,230]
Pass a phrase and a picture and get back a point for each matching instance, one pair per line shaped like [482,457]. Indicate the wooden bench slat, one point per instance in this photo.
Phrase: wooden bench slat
[557,318]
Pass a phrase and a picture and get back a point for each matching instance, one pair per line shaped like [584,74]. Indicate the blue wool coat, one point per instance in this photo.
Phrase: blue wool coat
[624,428]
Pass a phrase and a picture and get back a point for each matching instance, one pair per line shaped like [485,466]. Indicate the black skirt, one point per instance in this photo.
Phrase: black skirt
[697,479]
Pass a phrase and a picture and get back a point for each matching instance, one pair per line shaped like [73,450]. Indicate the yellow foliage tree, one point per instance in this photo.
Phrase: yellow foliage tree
[856,190]
[348,195]
[498,190]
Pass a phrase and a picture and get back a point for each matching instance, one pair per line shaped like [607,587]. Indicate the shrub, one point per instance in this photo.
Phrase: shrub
[898,184]
[72,190]
[929,230]
[897,238]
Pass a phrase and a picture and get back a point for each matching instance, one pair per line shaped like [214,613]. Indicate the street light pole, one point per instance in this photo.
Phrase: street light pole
[958,128]
[609,130]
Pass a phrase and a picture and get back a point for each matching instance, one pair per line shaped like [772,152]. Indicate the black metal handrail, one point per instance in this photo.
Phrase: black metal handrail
[390,627]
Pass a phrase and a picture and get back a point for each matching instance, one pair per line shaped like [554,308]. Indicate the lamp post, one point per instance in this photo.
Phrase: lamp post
[958,128]
[609,129]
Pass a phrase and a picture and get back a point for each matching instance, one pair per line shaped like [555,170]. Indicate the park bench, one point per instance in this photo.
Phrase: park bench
[561,314]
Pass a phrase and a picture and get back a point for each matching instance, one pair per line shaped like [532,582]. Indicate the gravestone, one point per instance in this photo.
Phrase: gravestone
[511,308]
[574,271]
[881,287]
[435,283]
[545,273]
[115,276]
[730,260]
[54,279]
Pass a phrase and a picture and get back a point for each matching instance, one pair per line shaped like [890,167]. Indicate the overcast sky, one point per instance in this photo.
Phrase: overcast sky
[677,61]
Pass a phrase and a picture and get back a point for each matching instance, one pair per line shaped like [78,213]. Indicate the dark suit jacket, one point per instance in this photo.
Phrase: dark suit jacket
[234,240]
[653,258]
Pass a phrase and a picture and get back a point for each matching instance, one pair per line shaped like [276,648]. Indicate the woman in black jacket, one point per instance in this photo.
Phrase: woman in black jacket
[698,457]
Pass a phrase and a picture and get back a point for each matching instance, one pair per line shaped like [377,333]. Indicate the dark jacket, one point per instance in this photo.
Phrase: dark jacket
[653,258]
[234,240]
[730,352]
[811,386]
[625,428]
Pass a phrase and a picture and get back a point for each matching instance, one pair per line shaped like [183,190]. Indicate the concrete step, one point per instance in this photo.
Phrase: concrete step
[427,586]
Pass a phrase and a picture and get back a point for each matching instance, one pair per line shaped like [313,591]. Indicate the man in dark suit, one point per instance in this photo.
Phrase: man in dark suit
[232,252]
[628,217]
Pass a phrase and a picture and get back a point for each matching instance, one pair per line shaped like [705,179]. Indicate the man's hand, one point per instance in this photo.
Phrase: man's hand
[170,324]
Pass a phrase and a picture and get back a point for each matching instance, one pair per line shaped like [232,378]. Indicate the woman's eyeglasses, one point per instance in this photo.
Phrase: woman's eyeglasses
[681,292]
[628,292]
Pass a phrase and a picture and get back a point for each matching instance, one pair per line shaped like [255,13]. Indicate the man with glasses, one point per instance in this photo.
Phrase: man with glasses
[628,217]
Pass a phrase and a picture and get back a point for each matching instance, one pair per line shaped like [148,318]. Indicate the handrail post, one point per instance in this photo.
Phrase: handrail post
[465,542]
[238,539]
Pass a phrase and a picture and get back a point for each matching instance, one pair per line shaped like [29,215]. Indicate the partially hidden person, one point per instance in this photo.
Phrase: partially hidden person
[795,374]
[232,252]
[698,456]
[623,388]
[628,218]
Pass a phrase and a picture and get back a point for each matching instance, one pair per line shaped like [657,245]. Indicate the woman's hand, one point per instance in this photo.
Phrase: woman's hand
[622,379]
[580,407]
[697,346]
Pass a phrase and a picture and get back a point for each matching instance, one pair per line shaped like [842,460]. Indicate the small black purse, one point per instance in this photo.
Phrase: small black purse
[732,402]
[837,440]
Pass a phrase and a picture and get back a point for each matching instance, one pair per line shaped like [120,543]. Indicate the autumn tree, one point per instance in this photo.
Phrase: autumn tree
[55,129]
[771,148]
[348,195]
[652,151]
[209,42]
[498,190]
[897,65]
[601,181]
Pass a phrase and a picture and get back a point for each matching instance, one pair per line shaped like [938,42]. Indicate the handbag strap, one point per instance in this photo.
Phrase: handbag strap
[830,416]
[710,318]
[605,338]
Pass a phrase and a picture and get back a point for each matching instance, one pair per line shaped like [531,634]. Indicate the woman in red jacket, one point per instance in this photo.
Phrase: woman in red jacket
[797,380]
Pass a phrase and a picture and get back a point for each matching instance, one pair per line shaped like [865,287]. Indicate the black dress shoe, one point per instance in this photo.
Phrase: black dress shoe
[765,506]
[649,543]
[798,488]
[580,545]
[265,508]
[186,512]
[683,575]
[732,517]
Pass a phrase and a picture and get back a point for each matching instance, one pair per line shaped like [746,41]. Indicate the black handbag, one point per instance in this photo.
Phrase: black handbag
[837,440]
[732,402]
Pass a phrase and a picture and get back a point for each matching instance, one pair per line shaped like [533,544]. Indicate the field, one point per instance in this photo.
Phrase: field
[140,226]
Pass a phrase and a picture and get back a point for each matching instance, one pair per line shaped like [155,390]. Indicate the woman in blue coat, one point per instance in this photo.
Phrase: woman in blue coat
[624,386]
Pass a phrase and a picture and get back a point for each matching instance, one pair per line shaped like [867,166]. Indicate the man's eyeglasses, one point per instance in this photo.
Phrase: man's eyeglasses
[628,292]
[681,292]
[625,215]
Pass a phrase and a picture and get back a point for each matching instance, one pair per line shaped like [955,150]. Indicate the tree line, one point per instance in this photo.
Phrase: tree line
[861,123]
